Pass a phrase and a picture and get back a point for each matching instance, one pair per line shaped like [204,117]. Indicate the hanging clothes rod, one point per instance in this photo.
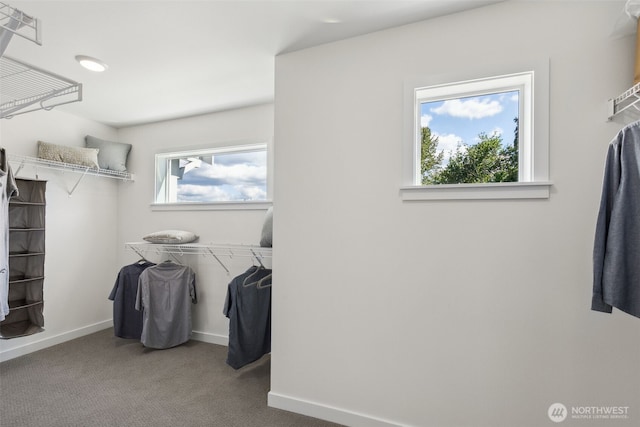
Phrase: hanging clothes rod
[217,251]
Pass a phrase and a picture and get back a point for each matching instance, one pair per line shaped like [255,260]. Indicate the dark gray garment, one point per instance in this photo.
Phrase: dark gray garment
[165,294]
[616,253]
[8,189]
[127,321]
[248,308]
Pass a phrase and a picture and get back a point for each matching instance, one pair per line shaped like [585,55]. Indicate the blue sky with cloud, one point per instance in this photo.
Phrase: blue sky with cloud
[457,121]
[231,177]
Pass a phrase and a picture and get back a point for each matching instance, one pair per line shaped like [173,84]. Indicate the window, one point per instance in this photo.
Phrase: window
[228,175]
[474,138]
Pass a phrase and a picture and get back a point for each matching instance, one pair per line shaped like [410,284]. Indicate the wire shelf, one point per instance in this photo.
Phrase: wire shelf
[623,102]
[18,23]
[217,251]
[35,162]
[67,167]
[25,88]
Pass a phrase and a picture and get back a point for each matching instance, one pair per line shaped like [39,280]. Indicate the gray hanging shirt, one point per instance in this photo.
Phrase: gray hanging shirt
[248,308]
[165,294]
[616,253]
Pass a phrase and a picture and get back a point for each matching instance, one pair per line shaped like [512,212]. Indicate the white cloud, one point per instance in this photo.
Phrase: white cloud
[237,173]
[473,108]
[425,119]
[219,182]
[198,193]
[202,193]
[253,193]
[448,144]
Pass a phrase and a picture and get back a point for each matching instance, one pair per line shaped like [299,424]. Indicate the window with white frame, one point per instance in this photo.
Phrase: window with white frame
[234,174]
[478,138]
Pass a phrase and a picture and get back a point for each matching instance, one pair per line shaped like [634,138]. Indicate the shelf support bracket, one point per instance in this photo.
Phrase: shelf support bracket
[19,168]
[140,254]
[218,259]
[78,182]
[16,21]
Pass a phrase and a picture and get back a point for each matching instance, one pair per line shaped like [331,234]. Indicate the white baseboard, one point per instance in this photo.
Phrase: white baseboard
[325,412]
[53,340]
[210,338]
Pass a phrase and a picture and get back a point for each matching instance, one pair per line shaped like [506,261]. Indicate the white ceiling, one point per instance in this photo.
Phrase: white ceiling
[170,59]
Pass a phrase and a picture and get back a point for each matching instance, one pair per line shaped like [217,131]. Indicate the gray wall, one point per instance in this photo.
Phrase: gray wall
[459,313]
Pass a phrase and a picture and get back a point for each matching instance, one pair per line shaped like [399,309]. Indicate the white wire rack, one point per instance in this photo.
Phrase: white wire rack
[623,102]
[25,88]
[220,252]
[16,22]
[19,162]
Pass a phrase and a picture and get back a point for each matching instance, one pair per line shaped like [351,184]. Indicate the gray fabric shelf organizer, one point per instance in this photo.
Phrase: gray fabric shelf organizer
[26,260]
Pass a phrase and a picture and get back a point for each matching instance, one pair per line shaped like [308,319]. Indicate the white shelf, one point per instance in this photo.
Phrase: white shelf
[18,163]
[25,88]
[219,252]
[623,102]
[15,22]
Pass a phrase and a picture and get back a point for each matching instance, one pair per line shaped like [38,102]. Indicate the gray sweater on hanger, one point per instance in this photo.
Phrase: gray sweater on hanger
[616,253]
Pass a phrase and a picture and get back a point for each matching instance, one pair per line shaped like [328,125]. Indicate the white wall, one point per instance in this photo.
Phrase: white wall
[81,237]
[460,313]
[248,125]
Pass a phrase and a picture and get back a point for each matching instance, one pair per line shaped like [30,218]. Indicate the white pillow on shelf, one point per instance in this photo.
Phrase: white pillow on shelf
[112,155]
[66,154]
[171,237]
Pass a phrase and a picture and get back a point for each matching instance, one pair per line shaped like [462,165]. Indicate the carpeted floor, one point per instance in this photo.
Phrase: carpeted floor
[100,380]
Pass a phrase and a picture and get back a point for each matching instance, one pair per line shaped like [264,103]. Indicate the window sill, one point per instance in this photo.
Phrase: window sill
[489,191]
[215,206]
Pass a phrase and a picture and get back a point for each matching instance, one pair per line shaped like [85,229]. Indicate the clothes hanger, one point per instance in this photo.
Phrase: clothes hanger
[246,282]
[260,282]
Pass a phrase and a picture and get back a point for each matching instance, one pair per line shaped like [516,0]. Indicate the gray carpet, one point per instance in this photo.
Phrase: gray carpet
[100,380]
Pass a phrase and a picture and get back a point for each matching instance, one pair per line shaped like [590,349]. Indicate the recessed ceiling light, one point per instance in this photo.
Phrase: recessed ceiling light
[331,21]
[92,64]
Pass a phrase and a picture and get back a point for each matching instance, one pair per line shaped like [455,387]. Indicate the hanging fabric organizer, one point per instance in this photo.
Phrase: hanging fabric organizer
[26,260]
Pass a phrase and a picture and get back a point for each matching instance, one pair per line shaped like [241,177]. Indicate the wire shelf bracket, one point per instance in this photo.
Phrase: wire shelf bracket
[15,22]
